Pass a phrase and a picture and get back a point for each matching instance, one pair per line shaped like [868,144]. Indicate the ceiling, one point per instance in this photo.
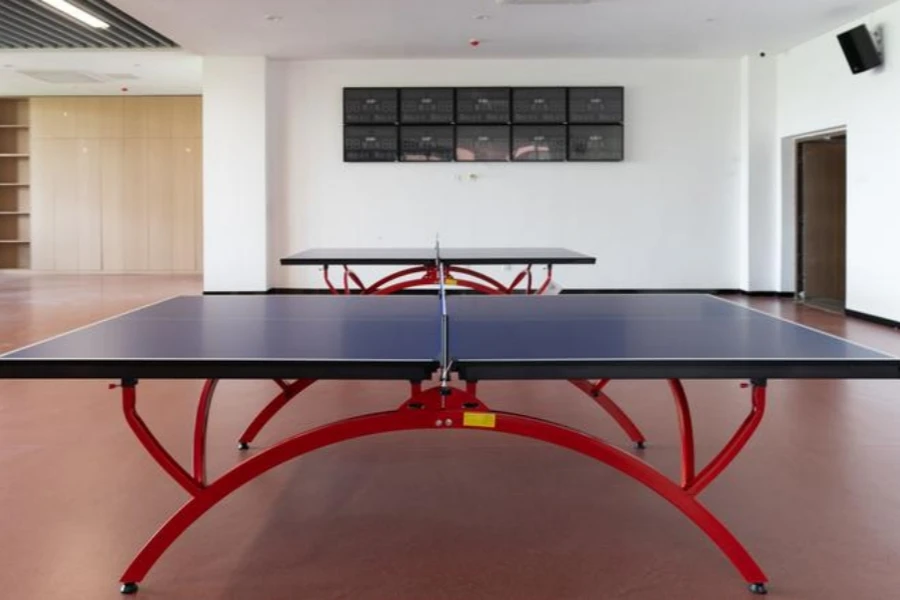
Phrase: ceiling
[31,24]
[101,72]
[443,28]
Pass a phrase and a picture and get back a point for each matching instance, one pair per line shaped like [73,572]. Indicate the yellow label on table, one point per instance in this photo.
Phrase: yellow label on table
[449,281]
[479,419]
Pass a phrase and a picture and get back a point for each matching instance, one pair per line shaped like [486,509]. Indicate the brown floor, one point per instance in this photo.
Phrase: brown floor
[426,516]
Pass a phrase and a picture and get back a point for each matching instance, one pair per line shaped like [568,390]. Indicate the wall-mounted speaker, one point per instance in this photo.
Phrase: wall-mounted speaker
[860,49]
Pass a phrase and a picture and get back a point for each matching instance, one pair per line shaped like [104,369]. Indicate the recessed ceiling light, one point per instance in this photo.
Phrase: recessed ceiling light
[77,13]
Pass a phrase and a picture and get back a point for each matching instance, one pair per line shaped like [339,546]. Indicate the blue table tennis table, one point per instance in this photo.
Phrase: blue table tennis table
[443,346]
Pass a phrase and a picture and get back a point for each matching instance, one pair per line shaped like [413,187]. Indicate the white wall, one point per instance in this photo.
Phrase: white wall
[235,174]
[667,217]
[816,91]
[761,151]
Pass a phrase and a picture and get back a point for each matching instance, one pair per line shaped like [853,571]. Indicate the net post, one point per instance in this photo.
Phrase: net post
[445,330]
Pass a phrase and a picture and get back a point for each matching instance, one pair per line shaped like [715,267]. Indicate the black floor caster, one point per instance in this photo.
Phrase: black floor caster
[243,446]
[640,445]
[759,589]
[129,588]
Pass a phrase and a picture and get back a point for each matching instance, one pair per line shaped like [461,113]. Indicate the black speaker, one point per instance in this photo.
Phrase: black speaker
[859,49]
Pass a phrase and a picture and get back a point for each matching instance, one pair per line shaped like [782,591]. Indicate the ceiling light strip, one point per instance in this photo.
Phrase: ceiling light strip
[77,13]
[126,24]
[62,29]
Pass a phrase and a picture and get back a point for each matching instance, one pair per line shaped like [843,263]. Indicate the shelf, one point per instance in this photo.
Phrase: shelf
[14,213]
[13,156]
[8,126]
[11,184]
[15,241]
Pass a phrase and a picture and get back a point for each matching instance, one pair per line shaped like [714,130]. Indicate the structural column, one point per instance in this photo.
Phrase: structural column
[235,174]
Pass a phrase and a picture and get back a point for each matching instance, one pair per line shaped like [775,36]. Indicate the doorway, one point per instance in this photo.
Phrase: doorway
[822,222]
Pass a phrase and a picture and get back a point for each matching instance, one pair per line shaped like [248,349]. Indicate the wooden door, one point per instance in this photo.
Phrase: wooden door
[823,222]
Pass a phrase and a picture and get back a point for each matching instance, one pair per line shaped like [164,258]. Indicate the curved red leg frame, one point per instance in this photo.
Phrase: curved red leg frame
[686,428]
[518,279]
[152,445]
[288,391]
[428,274]
[735,444]
[547,280]
[595,391]
[433,417]
[200,424]
[330,285]
[403,285]
[486,279]
[356,280]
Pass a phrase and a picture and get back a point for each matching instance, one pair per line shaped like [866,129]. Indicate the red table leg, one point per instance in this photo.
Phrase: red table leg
[430,409]
[288,392]
[330,285]
[595,391]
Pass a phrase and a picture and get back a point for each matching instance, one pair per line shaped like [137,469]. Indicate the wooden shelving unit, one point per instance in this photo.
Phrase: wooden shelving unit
[15,199]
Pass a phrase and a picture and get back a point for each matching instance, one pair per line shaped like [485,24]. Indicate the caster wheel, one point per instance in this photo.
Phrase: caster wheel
[759,589]
[129,588]
[243,446]
[640,445]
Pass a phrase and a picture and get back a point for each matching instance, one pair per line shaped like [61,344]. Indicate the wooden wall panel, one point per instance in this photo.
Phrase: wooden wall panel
[186,169]
[112,123]
[54,117]
[64,229]
[134,204]
[114,231]
[187,117]
[42,186]
[134,196]
[88,204]
[160,203]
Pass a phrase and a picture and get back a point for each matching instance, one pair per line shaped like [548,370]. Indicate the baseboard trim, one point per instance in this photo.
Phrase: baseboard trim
[768,294]
[205,293]
[872,318]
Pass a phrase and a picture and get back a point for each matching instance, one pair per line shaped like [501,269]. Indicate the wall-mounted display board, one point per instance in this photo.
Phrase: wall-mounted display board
[431,106]
[542,143]
[482,143]
[539,105]
[370,106]
[596,143]
[370,143]
[426,143]
[589,105]
[490,124]
[482,106]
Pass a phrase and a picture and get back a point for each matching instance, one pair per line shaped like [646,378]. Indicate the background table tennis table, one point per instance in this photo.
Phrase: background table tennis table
[422,266]
[297,340]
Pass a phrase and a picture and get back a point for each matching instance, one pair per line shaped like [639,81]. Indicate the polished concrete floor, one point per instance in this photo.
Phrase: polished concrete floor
[458,515]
